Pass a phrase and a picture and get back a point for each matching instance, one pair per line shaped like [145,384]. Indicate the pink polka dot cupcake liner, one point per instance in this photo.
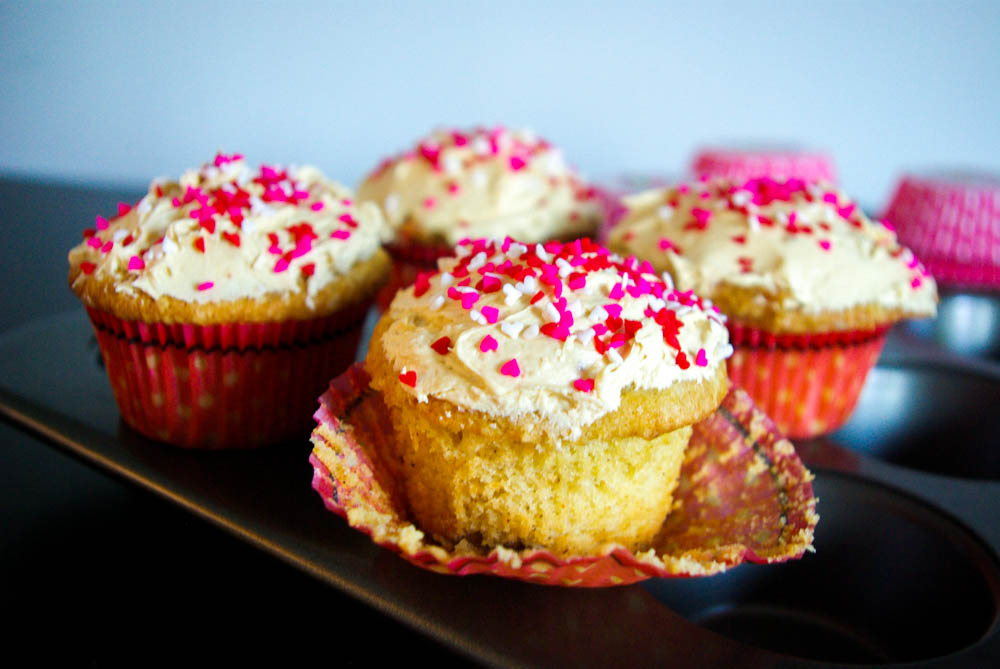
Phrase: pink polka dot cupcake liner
[743,496]
[807,383]
[953,224]
[232,386]
[780,164]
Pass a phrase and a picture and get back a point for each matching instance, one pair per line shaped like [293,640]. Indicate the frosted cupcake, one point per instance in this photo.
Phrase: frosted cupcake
[809,283]
[458,184]
[224,301]
[543,396]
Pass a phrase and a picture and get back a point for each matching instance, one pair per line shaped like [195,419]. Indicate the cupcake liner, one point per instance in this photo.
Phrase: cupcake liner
[237,385]
[953,224]
[409,259]
[743,495]
[775,163]
[807,383]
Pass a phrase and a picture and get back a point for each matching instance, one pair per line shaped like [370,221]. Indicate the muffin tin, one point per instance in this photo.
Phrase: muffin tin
[906,566]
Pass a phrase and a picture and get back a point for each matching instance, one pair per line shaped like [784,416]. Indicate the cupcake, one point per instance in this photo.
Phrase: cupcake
[543,395]
[223,302]
[776,163]
[953,222]
[457,184]
[809,283]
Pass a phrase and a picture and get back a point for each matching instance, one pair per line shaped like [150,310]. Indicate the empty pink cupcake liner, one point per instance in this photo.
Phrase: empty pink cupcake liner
[778,164]
[807,383]
[239,385]
[743,496]
[953,225]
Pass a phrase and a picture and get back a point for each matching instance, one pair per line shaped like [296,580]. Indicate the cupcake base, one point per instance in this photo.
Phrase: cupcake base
[231,386]
[807,383]
[742,495]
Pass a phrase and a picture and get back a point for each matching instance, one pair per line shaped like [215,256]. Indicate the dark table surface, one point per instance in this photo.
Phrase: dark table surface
[103,573]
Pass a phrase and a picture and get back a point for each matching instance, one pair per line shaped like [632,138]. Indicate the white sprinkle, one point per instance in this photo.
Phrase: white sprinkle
[564,267]
[145,205]
[476,316]
[754,222]
[477,261]
[249,226]
[614,355]
[551,312]
[169,246]
[656,303]
[596,315]
[511,328]
[480,179]
[530,283]
[683,310]
[725,350]
[575,308]
[446,279]
[615,258]
[531,331]
[542,254]
[512,295]
[120,234]
[742,197]
[462,251]
[451,164]
[665,212]
[391,204]
[480,146]
[437,302]
[516,251]
[782,217]
[554,164]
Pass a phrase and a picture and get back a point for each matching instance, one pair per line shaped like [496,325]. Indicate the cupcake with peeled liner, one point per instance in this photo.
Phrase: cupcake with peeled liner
[224,301]
[467,184]
[543,395]
[809,283]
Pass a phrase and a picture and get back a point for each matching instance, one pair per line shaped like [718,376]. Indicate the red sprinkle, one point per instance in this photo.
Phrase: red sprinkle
[309,269]
[200,244]
[442,345]
[510,368]
[489,344]
[584,385]
[232,237]
[87,267]
[409,378]
[682,360]
[422,284]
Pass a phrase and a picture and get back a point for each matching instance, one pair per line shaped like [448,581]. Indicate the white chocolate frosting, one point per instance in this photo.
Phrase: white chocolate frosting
[805,245]
[224,232]
[483,183]
[556,331]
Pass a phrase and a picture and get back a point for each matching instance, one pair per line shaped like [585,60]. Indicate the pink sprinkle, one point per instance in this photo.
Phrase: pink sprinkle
[617,292]
[830,198]
[701,359]
[205,286]
[488,344]
[824,244]
[316,206]
[94,242]
[123,208]
[916,282]
[469,298]
[845,212]
[491,314]
[510,368]
[340,234]
[614,310]
[666,244]
[577,281]
[517,163]
[136,263]
[584,385]
[281,265]
[348,219]
[102,223]
[430,203]
[347,202]
[107,246]
[452,187]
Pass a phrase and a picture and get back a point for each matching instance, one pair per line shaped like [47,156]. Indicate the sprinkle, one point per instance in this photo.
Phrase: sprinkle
[510,368]
[701,359]
[617,292]
[584,385]
[348,219]
[409,378]
[511,328]
[614,310]
[102,223]
[437,302]
[442,345]
[317,206]
[469,298]
[107,246]
[615,356]
[281,265]
[123,208]
[232,237]
[136,263]
[422,284]
[340,234]
[430,203]
[87,267]
[739,239]
[531,331]
[94,242]
[824,244]
[491,314]
[309,269]
[517,163]
[915,283]
[682,360]
[205,286]
[667,245]
[665,212]
[477,317]
[490,344]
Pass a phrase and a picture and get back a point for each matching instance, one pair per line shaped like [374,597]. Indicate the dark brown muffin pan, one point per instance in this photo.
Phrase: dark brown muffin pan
[906,565]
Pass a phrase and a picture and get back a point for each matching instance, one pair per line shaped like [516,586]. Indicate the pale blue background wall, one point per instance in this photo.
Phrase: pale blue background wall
[120,92]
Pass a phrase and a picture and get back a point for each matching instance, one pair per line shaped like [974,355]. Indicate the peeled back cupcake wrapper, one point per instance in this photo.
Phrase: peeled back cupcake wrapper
[953,225]
[743,495]
[238,385]
[741,165]
[807,383]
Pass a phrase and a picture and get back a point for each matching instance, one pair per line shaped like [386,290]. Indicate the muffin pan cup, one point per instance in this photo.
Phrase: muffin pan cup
[239,385]
[743,495]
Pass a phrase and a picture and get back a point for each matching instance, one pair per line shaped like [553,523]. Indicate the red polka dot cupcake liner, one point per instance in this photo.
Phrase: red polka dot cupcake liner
[232,386]
[807,383]
[408,260]
[953,224]
[743,496]
[781,164]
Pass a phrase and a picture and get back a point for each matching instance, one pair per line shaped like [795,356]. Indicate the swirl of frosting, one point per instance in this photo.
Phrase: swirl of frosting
[803,246]
[224,233]
[558,330]
[482,183]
